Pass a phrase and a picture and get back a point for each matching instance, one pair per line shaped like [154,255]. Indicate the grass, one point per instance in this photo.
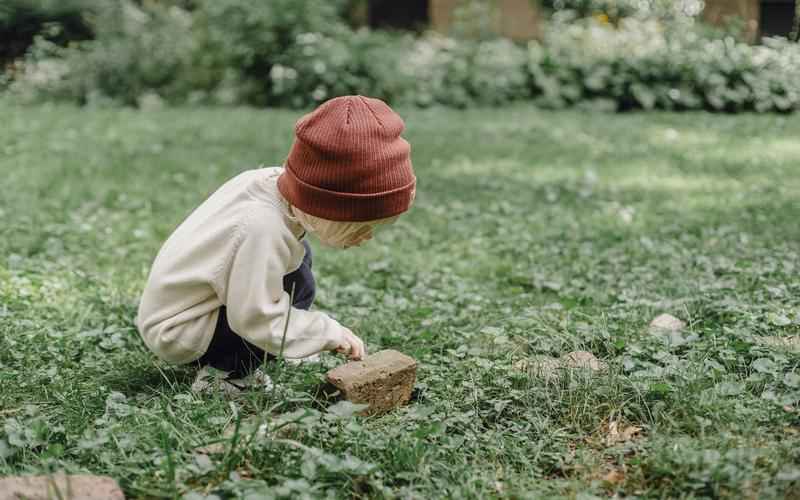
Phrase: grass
[534,233]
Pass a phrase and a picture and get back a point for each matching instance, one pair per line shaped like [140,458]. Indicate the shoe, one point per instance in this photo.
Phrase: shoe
[210,380]
[255,380]
[314,358]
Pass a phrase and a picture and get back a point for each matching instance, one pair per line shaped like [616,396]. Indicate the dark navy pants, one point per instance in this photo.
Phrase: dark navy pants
[230,352]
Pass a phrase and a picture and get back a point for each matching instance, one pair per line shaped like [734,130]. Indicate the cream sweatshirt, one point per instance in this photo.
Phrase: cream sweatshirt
[233,250]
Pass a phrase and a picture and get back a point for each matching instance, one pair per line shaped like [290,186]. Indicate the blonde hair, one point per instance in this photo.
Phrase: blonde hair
[314,224]
[335,233]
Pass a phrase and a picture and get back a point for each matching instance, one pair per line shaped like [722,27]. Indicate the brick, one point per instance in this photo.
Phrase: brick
[78,487]
[383,380]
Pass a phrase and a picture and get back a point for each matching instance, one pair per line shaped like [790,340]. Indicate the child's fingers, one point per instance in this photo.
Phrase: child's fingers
[362,351]
[357,352]
[352,346]
[355,348]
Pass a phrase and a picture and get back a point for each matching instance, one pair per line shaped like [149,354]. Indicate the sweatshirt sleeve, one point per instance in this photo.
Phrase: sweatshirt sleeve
[251,287]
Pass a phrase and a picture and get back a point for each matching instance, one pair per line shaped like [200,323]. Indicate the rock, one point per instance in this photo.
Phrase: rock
[551,367]
[667,322]
[60,486]
[383,381]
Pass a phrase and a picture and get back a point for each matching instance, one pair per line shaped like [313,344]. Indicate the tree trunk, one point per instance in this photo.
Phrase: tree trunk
[796,27]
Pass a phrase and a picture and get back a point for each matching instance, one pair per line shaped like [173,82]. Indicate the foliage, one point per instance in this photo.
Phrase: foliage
[557,231]
[645,64]
[22,20]
[643,55]
[266,54]
[135,52]
[615,10]
[220,51]
[248,38]
[463,73]
[318,66]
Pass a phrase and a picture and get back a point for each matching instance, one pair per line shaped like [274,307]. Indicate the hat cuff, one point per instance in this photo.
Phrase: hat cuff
[344,207]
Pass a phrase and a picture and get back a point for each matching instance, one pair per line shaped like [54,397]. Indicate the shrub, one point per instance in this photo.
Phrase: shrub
[614,10]
[319,66]
[135,52]
[251,37]
[461,73]
[220,50]
[643,64]
[22,20]
[298,53]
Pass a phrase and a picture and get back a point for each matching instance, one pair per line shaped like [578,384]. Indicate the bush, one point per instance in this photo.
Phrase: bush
[249,38]
[614,10]
[135,52]
[320,66]
[298,53]
[643,64]
[463,73]
[22,20]
[293,53]
[219,51]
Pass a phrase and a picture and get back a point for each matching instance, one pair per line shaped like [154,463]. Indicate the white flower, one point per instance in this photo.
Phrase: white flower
[319,93]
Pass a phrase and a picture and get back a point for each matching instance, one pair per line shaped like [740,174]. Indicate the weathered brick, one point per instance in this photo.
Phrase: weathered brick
[383,380]
[78,487]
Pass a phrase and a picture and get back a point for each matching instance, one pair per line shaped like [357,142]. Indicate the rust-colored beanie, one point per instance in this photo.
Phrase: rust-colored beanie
[348,162]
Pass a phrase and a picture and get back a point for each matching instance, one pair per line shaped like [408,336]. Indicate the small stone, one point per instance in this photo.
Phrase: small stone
[383,380]
[667,322]
[77,487]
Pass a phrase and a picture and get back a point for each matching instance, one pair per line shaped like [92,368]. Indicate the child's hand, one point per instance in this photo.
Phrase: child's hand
[354,346]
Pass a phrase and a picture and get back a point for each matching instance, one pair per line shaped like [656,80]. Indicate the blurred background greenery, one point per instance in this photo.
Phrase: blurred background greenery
[722,55]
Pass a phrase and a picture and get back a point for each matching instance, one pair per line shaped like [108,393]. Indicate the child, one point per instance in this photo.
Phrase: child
[218,292]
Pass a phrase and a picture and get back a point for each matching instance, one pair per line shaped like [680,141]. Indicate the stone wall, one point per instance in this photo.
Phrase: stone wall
[719,11]
[519,19]
[516,19]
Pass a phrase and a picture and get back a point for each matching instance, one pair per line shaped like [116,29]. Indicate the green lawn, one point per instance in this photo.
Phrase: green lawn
[533,233]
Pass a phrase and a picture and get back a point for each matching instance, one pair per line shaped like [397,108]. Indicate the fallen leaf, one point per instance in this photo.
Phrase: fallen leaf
[211,449]
[614,476]
[616,435]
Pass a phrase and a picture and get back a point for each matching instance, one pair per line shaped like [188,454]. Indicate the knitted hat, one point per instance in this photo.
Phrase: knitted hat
[348,162]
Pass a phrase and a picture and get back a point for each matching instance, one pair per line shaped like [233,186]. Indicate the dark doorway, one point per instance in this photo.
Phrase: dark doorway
[777,17]
[401,15]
